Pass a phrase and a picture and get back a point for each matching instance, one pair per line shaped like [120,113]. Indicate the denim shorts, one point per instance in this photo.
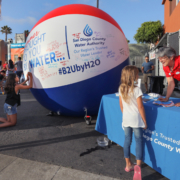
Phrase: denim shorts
[10,110]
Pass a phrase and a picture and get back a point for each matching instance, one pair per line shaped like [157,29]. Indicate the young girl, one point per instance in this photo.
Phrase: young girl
[13,98]
[134,119]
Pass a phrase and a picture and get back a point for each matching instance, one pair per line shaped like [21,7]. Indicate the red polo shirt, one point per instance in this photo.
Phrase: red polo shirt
[4,66]
[176,70]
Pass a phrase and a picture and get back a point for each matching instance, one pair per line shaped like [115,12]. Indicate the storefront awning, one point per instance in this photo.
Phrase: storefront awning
[162,42]
[18,45]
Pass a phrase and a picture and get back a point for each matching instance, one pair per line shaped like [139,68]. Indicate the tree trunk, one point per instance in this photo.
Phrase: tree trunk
[6,37]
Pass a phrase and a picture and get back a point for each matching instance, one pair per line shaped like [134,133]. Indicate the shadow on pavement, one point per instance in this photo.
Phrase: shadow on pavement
[48,141]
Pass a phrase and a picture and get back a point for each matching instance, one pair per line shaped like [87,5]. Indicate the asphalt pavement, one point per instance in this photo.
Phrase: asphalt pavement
[58,147]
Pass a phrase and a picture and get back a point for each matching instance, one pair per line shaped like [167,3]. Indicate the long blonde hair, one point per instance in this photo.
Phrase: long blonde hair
[128,76]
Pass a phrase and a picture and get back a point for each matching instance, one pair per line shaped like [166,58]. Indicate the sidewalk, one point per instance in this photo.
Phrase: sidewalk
[13,168]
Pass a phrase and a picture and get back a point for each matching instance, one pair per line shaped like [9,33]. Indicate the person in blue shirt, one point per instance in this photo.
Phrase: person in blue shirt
[147,68]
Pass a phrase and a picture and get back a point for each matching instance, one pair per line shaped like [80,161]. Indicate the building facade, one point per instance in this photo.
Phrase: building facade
[10,50]
[3,51]
[16,50]
[171,15]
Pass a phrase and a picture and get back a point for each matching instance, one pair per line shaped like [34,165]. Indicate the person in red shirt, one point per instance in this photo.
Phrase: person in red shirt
[4,66]
[171,66]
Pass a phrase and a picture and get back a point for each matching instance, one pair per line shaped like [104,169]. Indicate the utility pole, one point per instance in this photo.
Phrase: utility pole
[97,3]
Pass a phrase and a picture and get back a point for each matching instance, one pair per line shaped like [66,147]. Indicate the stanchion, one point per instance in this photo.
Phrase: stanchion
[87,118]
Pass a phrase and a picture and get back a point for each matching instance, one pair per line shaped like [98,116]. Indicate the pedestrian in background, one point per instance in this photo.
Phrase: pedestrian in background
[1,65]
[19,65]
[13,98]
[134,119]
[147,68]
[4,65]
[2,78]
[9,67]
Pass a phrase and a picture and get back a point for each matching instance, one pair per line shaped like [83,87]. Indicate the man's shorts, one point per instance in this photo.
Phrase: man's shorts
[10,110]
[145,77]
[19,73]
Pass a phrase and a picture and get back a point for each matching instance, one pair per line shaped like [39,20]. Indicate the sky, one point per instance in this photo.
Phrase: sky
[22,15]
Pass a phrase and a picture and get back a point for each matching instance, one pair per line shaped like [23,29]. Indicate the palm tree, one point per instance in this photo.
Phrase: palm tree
[7,30]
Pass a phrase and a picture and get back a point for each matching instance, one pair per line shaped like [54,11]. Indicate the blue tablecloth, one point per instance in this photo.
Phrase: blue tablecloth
[161,139]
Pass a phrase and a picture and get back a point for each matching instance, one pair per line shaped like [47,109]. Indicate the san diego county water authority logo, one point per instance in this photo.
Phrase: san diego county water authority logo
[88,31]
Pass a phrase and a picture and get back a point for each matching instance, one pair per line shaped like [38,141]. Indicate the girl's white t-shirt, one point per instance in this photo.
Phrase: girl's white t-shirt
[131,115]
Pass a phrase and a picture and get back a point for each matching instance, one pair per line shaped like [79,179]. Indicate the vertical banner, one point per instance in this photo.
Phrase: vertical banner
[8,51]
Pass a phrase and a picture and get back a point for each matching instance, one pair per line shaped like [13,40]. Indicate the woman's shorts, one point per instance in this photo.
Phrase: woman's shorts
[10,110]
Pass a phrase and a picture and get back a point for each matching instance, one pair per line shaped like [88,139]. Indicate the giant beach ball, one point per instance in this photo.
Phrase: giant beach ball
[76,54]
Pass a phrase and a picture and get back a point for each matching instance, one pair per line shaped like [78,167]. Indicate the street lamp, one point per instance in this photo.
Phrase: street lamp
[97,3]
